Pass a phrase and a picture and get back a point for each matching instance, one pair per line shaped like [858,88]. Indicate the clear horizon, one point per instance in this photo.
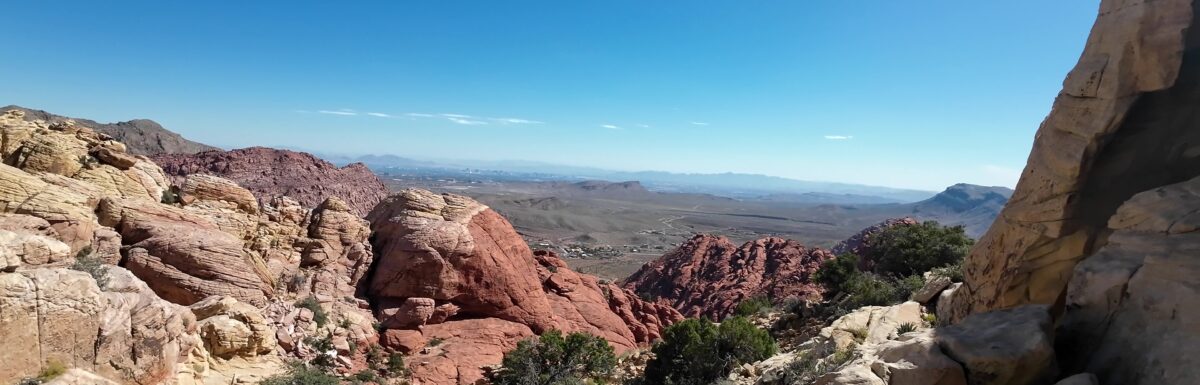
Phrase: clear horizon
[917,96]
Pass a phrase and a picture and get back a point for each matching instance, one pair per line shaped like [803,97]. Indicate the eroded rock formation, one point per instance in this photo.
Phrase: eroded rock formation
[452,269]
[270,173]
[709,276]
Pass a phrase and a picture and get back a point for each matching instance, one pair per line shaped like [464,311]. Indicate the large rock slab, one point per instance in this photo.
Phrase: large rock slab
[184,257]
[1005,347]
[47,316]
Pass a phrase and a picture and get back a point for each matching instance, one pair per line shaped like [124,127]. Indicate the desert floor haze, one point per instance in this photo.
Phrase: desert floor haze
[903,247]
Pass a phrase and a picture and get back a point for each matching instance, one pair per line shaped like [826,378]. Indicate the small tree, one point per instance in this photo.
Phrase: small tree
[752,306]
[698,352]
[902,251]
[302,375]
[552,359]
[836,273]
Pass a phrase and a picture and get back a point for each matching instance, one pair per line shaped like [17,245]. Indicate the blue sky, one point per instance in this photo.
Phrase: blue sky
[918,94]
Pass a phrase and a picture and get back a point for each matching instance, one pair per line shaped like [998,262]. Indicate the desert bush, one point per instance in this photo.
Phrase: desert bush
[903,251]
[906,328]
[86,262]
[697,351]
[319,315]
[836,273]
[395,365]
[302,375]
[953,271]
[321,345]
[552,359]
[752,306]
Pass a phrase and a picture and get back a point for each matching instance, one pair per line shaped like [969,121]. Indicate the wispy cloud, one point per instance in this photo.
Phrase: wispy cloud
[419,115]
[379,114]
[839,137]
[644,125]
[699,124]
[610,126]
[515,121]
[342,112]
[467,122]
[456,116]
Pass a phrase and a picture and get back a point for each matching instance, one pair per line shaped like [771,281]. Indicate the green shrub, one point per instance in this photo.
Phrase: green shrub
[396,366]
[909,285]
[319,315]
[553,359]
[366,375]
[697,352]
[302,375]
[906,327]
[872,290]
[321,346]
[902,251]
[930,319]
[836,273]
[85,262]
[752,306]
[953,271]
[435,341]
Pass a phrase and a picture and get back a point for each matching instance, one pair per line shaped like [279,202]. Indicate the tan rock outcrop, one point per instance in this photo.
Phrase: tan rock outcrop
[1121,125]
[916,359]
[79,377]
[871,324]
[142,338]
[18,250]
[47,316]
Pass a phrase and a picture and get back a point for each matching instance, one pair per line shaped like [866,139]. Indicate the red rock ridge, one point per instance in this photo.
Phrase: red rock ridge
[709,276]
[269,173]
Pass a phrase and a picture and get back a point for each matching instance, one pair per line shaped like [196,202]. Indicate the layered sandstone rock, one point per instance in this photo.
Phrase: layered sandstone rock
[182,256]
[269,173]
[452,270]
[709,276]
[142,338]
[231,328]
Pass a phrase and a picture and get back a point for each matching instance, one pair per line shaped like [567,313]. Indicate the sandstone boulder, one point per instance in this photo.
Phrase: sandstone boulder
[30,250]
[1013,347]
[79,377]
[466,346]
[142,338]
[871,324]
[231,328]
[916,359]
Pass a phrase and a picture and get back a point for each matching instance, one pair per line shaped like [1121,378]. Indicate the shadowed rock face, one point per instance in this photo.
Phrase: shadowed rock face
[709,276]
[448,267]
[269,173]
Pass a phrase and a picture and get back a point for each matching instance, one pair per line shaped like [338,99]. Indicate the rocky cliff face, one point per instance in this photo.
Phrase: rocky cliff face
[269,173]
[709,276]
[1096,226]
[450,268]
[141,136]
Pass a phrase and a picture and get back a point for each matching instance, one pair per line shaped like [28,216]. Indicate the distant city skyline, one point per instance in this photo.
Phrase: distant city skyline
[908,95]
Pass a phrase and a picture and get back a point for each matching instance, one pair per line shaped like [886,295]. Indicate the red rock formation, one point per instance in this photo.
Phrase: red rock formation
[269,173]
[449,266]
[709,276]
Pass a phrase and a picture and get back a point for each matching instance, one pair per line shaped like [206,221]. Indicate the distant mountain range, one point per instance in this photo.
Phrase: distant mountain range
[146,137]
[735,185]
